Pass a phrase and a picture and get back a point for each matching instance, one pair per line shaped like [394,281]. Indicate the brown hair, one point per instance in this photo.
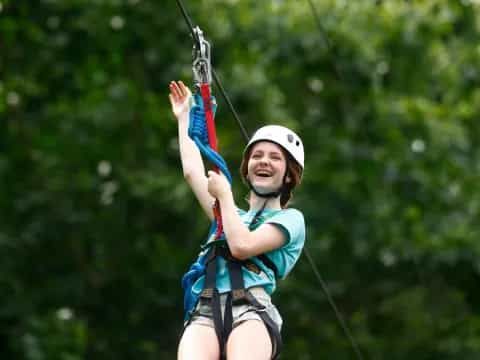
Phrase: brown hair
[294,172]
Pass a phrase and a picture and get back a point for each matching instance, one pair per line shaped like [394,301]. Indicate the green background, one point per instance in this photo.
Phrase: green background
[97,225]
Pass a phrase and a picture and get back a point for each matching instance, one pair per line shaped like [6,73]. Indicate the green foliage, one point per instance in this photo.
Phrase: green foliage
[97,226]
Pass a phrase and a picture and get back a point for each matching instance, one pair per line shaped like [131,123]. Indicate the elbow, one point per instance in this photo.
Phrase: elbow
[239,251]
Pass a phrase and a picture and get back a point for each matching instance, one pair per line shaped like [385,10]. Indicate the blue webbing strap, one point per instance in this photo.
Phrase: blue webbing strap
[197,131]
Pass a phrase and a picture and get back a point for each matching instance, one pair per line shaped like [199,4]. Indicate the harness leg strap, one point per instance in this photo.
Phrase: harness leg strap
[227,319]
[273,331]
[210,294]
[242,295]
[218,323]
[210,275]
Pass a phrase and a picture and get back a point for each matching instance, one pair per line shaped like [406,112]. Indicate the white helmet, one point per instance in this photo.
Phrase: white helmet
[282,136]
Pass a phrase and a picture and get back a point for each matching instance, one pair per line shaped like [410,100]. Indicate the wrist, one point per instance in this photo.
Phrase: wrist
[226,198]
[183,122]
[183,116]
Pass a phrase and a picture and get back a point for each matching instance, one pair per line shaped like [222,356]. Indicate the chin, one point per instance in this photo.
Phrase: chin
[264,189]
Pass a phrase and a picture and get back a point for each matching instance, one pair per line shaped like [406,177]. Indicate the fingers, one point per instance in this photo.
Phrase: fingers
[184,89]
[179,90]
[172,100]
[174,90]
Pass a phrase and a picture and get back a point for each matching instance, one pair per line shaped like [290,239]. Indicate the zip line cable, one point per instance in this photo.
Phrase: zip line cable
[187,19]
[345,101]
[230,105]
[319,24]
[323,285]
[325,38]
[214,74]
[340,319]
[338,73]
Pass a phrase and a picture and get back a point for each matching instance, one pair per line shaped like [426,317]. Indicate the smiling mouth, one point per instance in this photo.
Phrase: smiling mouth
[263,174]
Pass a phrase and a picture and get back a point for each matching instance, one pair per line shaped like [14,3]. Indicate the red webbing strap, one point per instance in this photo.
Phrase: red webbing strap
[212,139]
[207,105]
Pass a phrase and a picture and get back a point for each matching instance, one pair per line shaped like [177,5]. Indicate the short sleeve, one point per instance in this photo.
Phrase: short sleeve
[292,224]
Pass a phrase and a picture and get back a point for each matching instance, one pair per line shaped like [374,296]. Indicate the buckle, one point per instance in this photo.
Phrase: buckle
[238,294]
[207,293]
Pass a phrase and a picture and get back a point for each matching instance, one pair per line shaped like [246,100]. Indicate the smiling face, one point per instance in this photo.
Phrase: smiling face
[267,165]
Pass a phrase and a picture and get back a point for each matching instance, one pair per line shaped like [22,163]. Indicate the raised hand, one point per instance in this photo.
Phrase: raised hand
[179,98]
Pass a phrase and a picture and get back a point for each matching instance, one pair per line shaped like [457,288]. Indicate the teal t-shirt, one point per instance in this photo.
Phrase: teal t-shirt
[292,224]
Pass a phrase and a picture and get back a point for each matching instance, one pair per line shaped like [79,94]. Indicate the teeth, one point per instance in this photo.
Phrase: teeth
[263,173]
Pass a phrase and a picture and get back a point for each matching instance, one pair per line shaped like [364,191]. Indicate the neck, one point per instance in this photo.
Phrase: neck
[256,202]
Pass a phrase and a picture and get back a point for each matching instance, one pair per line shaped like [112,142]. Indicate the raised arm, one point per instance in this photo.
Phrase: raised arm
[192,163]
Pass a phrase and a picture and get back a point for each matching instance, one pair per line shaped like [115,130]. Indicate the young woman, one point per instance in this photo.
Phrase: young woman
[237,320]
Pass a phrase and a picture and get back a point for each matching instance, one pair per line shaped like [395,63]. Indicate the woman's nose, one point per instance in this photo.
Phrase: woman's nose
[263,160]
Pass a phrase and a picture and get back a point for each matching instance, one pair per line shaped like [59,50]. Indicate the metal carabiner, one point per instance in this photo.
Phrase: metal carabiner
[202,73]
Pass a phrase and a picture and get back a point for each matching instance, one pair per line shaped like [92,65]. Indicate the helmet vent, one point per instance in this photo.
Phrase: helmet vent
[290,138]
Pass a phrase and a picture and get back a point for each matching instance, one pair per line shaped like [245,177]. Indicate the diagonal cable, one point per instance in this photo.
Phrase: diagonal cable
[338,73]
[325,39]
[339,316]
